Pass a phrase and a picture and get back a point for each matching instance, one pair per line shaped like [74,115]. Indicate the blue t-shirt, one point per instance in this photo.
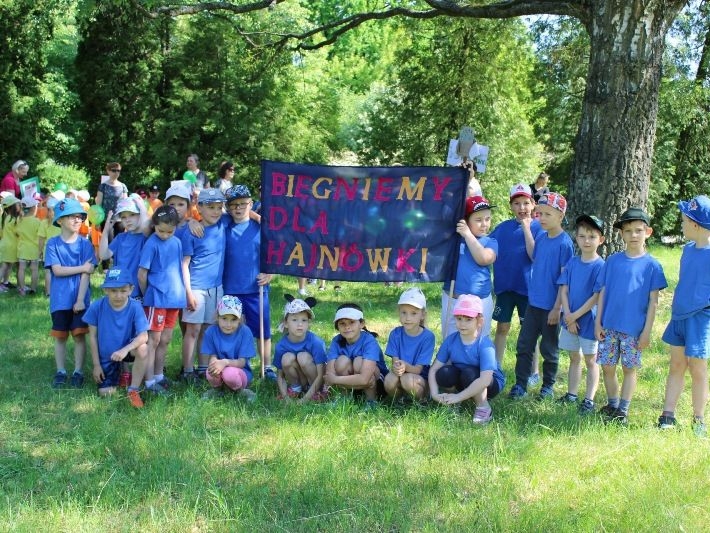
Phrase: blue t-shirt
[581,278]
[365,346]
[115,329]
[511,270]
[628,282]
[238,345]
[65,289]
[550,256]
[206,255]
[241,261]
[472,278]
[311,344]
[480,355]
[126,248]
[693,290]
[163,261]
[414,351]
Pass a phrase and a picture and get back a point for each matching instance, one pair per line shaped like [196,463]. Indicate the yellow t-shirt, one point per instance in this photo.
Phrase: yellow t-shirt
[47,230]
[8,243]
[28,238]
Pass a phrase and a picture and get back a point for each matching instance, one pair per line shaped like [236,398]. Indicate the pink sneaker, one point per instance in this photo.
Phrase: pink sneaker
[482,415]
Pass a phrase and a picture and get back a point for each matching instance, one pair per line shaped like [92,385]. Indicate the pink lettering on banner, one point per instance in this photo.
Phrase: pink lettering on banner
[279,219]
[275,255]
[351,258]
[384,191]
[350,189]
[278,183]
[439,186]
[402,258]
[303,186]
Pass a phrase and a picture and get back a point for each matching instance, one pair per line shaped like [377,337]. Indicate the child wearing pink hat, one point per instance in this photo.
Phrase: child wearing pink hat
[466,363]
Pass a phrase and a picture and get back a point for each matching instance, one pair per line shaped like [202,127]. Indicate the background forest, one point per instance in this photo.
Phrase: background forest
[87,82]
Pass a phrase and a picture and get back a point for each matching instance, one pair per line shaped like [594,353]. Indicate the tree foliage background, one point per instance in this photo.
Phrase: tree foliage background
[88,82]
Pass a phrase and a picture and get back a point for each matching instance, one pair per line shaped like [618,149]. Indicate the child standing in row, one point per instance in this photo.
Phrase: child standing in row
[71,261]
[118,334]
[577,283]
[27,246]
[688,332]
[355,359]
[300,355]
[628,297]
[553,249]
[513,265]
[411,347]
[46,231]
[466,362]
[228,346]
[160,275]
[11,214]
[477,253]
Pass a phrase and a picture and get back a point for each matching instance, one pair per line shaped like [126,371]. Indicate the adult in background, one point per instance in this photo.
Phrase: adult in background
[226,176]
[193,165]
[11,181]
[540,188]
[112,190]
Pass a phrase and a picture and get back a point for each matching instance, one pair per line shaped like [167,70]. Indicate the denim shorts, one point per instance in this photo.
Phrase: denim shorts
[692,332]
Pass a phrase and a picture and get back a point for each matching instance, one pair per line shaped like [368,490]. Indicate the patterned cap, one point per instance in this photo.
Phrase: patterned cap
[298,306]
[477,203]
[230,305]
[555,200]
[236,192]
[697,209]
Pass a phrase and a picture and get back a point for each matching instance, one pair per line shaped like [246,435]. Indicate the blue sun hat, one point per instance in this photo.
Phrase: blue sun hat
[697,209]
[67,207]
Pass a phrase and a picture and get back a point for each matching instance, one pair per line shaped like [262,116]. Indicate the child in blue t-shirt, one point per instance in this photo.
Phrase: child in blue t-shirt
[228,346]
[118,333]
[512,268]
[577,283]
[300,354]
[553,249]
[688,332]
[411,347]
[477,252]
[203,259]
[628,288]
[70,260]
[160,274]
[466,362]
[355,359]
[241,270]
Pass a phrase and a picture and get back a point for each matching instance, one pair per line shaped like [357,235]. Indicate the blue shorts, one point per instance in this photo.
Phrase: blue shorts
[505,303]
[693,333]
[617,345]
[250,312]
[66,321]
[112,372]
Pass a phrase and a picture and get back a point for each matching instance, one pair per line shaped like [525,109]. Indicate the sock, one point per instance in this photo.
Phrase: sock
[296,388]
[149,383]
[62,371]
[158,377]
[572,396]
[201,369]
[613,402]
[78,371]
[589,400]
[668,413]
[188,370]
[624,405]
[130,388]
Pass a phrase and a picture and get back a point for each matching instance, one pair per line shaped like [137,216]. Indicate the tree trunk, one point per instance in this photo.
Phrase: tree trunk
[614,145]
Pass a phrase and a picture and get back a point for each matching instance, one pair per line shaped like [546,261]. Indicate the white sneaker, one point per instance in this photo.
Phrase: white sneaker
[302,292]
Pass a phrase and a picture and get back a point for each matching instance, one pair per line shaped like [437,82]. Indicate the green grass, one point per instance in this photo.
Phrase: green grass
[70,461]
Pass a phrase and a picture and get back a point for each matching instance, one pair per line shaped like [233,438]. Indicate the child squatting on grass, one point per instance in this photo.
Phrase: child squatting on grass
[299,356]
[466,362]
[228,346]
[628,288]
[118,333]
[688,333]
[71,261]
[411,347]
[579,301]
[355,359]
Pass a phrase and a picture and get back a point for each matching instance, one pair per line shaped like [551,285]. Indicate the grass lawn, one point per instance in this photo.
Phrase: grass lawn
[70,461]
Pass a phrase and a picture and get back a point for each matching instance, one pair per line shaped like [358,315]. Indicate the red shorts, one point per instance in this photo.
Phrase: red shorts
[160,318]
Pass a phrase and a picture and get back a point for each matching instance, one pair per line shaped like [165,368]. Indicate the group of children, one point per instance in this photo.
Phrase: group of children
[204,275]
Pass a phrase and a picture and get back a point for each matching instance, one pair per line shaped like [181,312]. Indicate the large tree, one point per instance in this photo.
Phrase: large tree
[616,133]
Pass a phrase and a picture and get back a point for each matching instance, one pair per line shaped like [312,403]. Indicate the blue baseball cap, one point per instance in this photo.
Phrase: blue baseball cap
[117,277]
[697,209]
[236,192]
[210,196]
[67,207]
